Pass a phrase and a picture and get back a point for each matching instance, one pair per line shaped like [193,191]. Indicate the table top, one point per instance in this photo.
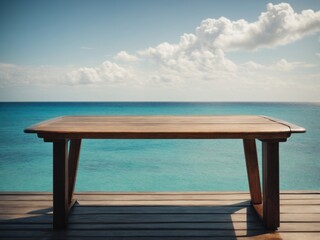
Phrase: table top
[164,127]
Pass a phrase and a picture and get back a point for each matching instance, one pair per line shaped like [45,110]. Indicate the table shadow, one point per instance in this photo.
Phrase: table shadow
[141,222]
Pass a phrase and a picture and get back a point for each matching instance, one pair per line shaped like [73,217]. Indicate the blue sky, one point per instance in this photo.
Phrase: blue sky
[133,50]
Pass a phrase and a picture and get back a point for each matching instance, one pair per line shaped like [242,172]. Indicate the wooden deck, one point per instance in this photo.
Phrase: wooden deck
[191,215]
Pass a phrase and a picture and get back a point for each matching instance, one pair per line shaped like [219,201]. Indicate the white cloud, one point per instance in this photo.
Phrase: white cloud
[279,25]
[124,56]
[202,55]
[281,65]
[107,72]
[199,56]
[187,60]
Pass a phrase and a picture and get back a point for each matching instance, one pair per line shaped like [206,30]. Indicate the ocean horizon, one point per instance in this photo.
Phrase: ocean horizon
[155,165]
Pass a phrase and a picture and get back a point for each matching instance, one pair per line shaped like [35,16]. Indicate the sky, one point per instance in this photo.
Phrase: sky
[159,50]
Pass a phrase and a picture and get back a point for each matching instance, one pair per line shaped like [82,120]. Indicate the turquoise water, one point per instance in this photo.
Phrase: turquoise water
[154,165]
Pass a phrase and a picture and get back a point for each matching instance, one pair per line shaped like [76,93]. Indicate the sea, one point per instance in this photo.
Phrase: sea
[155,165]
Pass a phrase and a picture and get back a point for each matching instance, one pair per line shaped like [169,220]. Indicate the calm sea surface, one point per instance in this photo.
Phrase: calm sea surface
[154,165]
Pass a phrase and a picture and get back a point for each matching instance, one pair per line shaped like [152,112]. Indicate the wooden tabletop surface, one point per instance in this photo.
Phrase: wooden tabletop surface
[164,127]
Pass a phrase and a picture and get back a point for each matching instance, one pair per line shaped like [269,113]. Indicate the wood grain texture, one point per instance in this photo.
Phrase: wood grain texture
[91,219]
[233,126]
[251,157]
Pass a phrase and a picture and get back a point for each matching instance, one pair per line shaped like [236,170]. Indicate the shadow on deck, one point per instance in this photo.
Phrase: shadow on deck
[192,215]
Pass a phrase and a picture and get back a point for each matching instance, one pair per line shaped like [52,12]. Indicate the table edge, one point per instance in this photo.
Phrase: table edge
[31,129]
[293,128]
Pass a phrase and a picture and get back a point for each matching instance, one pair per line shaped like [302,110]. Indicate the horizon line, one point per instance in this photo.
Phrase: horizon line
[159,101]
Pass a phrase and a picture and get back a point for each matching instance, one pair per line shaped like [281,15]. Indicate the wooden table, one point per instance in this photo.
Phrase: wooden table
[60,131]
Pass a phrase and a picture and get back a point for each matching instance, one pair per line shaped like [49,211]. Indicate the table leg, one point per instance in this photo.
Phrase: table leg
[74,154]
[64,177]
[250,151]
[60,184]
[270,169]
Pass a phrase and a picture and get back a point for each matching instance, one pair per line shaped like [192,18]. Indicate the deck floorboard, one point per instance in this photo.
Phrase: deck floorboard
[158,215]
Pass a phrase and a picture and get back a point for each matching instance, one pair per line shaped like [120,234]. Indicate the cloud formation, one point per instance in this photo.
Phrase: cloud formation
[124,56]
[107,72]
[202,55]
[279,25]
[198,56]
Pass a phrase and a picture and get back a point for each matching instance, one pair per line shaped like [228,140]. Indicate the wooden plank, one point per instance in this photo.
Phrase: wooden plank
[196,202]
[164,225]
[300,209]
[298,192]
[28,226]
[118,209]
[121,218]
[155,119]
[285,198]
[287,214]
[22,193]
[39,203]
[300,227]
[174,209]
[167,128]
[285,204]
[131,233]
[22,218]
[258,236]
[94,217]
[143,203]
[300,217]
[295,193]
[300,202]
[285,227]
[281,236]
[129,197]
